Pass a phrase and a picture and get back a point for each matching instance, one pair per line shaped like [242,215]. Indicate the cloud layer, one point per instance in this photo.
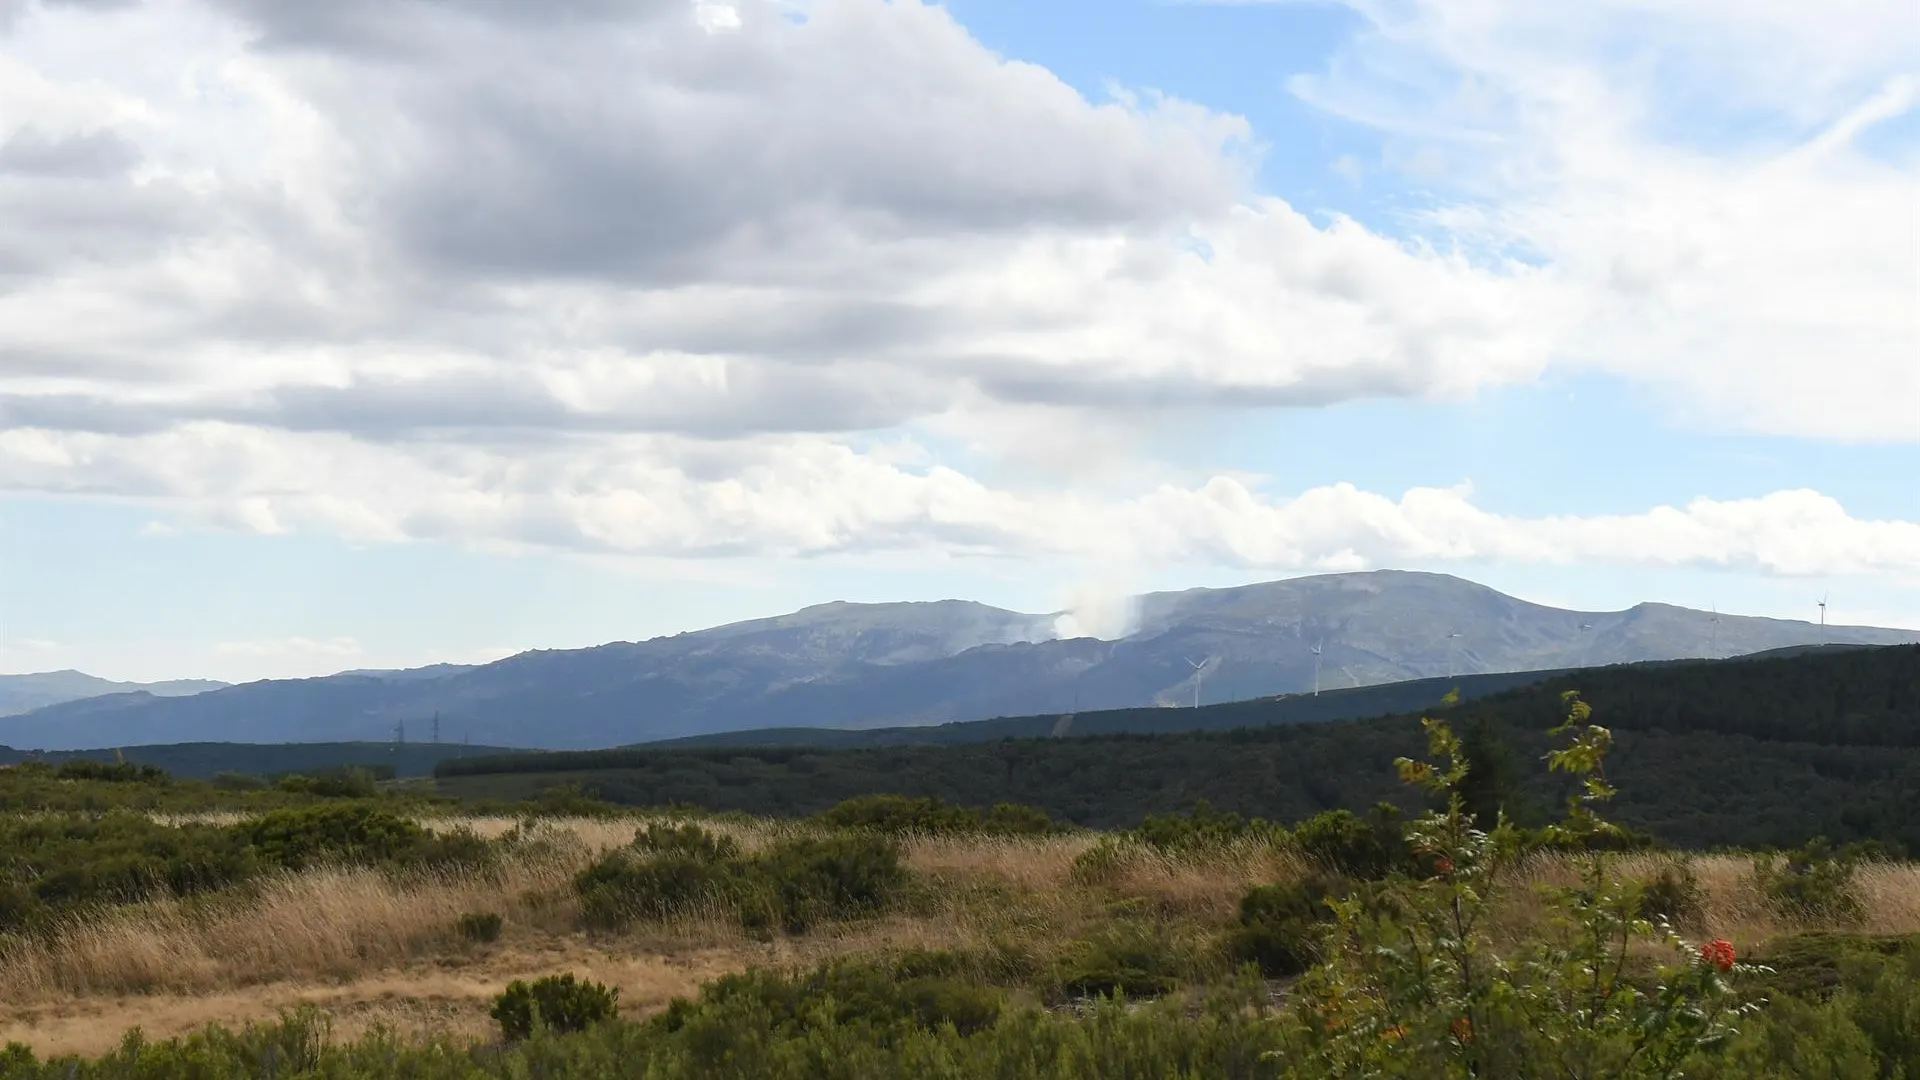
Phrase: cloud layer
[701,280]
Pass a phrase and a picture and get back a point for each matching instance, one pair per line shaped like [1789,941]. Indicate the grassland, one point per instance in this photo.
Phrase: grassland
[374,949]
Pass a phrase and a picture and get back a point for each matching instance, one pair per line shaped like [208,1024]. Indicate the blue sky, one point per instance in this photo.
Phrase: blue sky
[899,302]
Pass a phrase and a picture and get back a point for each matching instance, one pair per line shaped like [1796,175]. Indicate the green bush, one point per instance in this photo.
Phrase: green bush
[479,926]
[111,772]
[1137,959]
[619,887]
[1365,848]
[900,816]
[796,884]
[865,996]
[1814,883]
[52,864]
[1674,896]
[1281,925]
[330,784]
[686,841]
[1203,829]
[557,1002]
[353,834]
[792,885]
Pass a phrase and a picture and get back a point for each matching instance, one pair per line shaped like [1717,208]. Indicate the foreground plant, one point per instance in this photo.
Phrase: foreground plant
[1412,985]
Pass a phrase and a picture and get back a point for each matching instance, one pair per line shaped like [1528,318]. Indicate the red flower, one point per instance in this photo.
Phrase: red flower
[1443,865]
[1719,952]
[1463,1030]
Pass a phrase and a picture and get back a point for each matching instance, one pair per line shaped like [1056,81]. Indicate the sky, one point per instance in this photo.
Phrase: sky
[378,333]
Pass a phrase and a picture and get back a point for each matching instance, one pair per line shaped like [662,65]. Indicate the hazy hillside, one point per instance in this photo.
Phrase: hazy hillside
[25,693]
[882,665]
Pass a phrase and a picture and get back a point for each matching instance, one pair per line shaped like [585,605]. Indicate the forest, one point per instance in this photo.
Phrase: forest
[1753,753]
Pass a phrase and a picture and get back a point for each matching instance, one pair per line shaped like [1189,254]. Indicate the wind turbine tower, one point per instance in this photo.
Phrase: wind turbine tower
[1453,656]
[1713,633]
[1316,666]
[1823,618]
[1199,670]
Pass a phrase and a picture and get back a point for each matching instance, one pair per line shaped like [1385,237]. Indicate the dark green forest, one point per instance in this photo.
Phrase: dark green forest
[1751,753]
[206,760]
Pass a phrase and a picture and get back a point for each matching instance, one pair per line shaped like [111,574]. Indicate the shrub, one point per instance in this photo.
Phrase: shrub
[556,1002]
[1137,959]
[455,849]
[898,815]
[57,863]
[868,997]
[1815,882]
[1345,843]
[1673,896]
[619,888]
[1202,829]
[346,783]
[479,926]
[228,781]
[792,885]
[571,800]
[1281,925]
[1100,864]
[686,841]
[365,835]
[1016,819]
[797,883]
[1425,992]
[112,772]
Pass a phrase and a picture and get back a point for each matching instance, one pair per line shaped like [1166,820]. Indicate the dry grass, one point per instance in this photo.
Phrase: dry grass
[370,948]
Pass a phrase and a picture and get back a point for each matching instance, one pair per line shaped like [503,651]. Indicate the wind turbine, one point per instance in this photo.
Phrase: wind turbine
[1199,670]
[1453,656]
[1316,666]
[1823,618]
[1713,632]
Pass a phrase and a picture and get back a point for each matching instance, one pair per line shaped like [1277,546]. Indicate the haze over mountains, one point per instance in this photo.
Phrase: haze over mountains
[25,693]
[872,665]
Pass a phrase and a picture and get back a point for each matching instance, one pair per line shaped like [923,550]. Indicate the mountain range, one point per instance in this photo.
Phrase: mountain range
[856,666]
[25,693]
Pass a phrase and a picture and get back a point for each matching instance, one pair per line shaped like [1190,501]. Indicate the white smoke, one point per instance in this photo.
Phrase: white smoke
[1098,611]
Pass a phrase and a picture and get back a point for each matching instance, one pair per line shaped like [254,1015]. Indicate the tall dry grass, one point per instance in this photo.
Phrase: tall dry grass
[321,924]
[367,943]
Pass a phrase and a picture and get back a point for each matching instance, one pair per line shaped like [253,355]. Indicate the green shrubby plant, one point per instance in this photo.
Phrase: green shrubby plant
[685,840]
[791,885]
[1204,829]
[1814,883]
[1347,844]
[1414,987]
[1130,957]
[900,816]
[1282,927]
[557,1003]
[479,926]
[1673,896]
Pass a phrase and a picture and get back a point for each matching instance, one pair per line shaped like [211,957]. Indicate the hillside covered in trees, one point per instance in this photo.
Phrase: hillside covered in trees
[1768,751]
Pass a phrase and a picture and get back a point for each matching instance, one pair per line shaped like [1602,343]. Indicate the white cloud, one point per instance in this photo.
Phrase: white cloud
[617,283]
[1707,201]
[669,497]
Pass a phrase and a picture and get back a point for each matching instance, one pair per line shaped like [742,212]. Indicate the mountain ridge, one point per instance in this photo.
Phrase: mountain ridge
[36,690]
[858,666]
